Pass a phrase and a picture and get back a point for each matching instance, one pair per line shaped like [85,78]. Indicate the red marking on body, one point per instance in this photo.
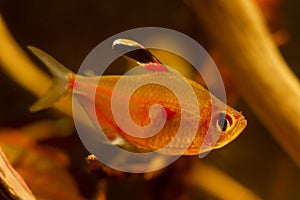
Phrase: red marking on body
[71,83]
[169,113]
[156,67]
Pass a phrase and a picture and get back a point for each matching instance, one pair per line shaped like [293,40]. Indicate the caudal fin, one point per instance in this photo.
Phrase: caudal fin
[60,85]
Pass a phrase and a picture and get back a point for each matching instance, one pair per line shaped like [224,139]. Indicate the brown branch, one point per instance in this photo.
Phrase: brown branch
[264,79]
[20,68]
[12,185]
[217,183]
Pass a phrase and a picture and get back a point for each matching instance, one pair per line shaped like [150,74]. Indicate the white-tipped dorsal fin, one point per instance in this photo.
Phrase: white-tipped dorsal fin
[140,54]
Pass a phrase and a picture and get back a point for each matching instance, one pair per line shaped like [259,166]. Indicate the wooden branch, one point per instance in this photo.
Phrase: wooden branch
[12,185]
[268,85]
[217,183]
[20,68]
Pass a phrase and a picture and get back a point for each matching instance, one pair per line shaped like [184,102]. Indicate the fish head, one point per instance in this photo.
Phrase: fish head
[227,124]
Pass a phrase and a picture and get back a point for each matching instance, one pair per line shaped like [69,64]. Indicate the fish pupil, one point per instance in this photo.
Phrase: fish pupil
[224,121]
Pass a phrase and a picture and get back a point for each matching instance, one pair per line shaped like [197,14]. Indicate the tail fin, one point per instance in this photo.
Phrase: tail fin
[60,83]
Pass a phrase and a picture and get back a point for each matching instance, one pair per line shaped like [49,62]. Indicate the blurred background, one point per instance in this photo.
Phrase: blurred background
[69,30]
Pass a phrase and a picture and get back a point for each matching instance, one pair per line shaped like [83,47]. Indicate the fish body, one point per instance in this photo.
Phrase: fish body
[226,124]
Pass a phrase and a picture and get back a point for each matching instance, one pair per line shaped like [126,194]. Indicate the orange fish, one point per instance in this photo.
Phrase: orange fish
[226,124]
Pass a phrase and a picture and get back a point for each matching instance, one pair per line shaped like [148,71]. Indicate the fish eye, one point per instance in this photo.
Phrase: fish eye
[223,121]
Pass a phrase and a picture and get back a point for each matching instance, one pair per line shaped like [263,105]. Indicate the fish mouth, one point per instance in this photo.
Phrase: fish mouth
[235,132]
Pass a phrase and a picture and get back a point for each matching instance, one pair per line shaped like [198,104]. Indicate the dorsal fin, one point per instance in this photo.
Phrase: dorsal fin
[140,54]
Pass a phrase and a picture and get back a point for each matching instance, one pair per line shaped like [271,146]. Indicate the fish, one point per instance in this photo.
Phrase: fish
[214,129]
